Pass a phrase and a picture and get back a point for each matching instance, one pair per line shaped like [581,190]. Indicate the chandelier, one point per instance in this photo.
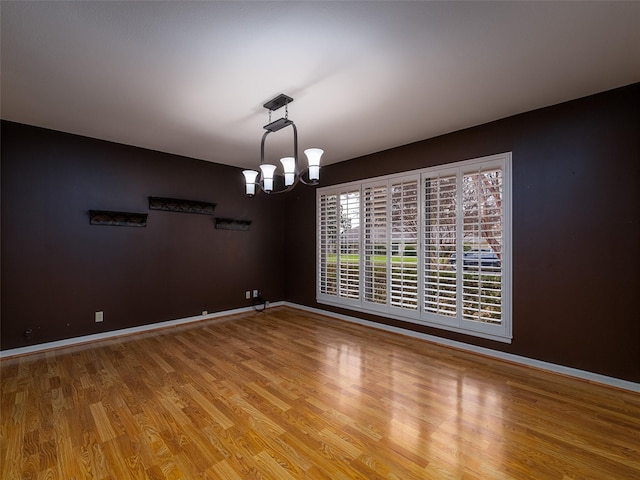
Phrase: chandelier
[292,174]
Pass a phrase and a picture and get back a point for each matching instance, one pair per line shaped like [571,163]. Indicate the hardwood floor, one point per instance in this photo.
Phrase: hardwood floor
[286,394]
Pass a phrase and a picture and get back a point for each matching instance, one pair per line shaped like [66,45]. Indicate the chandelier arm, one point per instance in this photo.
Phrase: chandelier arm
[295,148]
[295,141]
[264,137]
[300,178]
[276,192]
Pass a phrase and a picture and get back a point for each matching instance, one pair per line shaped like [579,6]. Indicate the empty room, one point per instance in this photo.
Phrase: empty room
[319,240]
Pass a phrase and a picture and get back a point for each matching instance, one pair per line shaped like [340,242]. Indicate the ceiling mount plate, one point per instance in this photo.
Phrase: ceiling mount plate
[278,102]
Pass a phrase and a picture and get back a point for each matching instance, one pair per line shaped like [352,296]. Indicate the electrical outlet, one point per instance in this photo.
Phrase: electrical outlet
[99,317]
[247,294]
[204,312]
[256,294]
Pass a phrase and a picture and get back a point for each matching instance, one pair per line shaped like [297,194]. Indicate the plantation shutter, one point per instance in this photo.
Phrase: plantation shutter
[440,240]
[327,244]
[349,258]
[404,244]
[482,226]
[375,244]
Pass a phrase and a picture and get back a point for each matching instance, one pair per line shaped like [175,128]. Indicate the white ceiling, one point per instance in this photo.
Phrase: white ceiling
[190,78]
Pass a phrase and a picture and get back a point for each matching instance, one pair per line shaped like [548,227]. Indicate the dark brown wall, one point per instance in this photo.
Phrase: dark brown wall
[575,233]
[57,269]
[576,239]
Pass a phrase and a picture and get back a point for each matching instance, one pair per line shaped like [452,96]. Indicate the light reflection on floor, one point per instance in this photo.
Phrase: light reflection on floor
[436,416]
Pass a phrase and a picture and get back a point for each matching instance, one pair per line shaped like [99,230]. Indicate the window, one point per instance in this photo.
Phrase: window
[429,246]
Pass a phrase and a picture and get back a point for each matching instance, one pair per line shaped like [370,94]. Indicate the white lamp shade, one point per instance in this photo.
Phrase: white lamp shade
[250,179]
[289,166]
[313,156]
[267,176]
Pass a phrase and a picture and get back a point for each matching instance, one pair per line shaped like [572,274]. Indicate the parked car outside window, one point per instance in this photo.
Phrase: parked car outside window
[475,257]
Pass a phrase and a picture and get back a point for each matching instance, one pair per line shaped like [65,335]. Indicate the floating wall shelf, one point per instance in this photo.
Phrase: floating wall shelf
[118,219]
[232,224]
[181,206]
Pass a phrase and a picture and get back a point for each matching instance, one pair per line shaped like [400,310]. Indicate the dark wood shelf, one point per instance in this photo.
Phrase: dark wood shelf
[232,224]
[118,219]
[181,205]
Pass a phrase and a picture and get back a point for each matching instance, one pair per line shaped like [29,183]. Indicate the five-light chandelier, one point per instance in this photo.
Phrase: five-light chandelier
[292,174]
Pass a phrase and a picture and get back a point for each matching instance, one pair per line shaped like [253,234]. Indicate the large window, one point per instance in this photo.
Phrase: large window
[429,246]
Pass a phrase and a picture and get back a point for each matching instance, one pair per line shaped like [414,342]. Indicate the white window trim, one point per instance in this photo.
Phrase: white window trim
[501,332]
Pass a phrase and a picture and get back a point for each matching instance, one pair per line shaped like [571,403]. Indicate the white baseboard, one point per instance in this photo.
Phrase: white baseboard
[124,331]
[552,367]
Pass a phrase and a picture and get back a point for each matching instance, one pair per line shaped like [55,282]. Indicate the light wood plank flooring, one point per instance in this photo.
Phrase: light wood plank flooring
[285,394]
